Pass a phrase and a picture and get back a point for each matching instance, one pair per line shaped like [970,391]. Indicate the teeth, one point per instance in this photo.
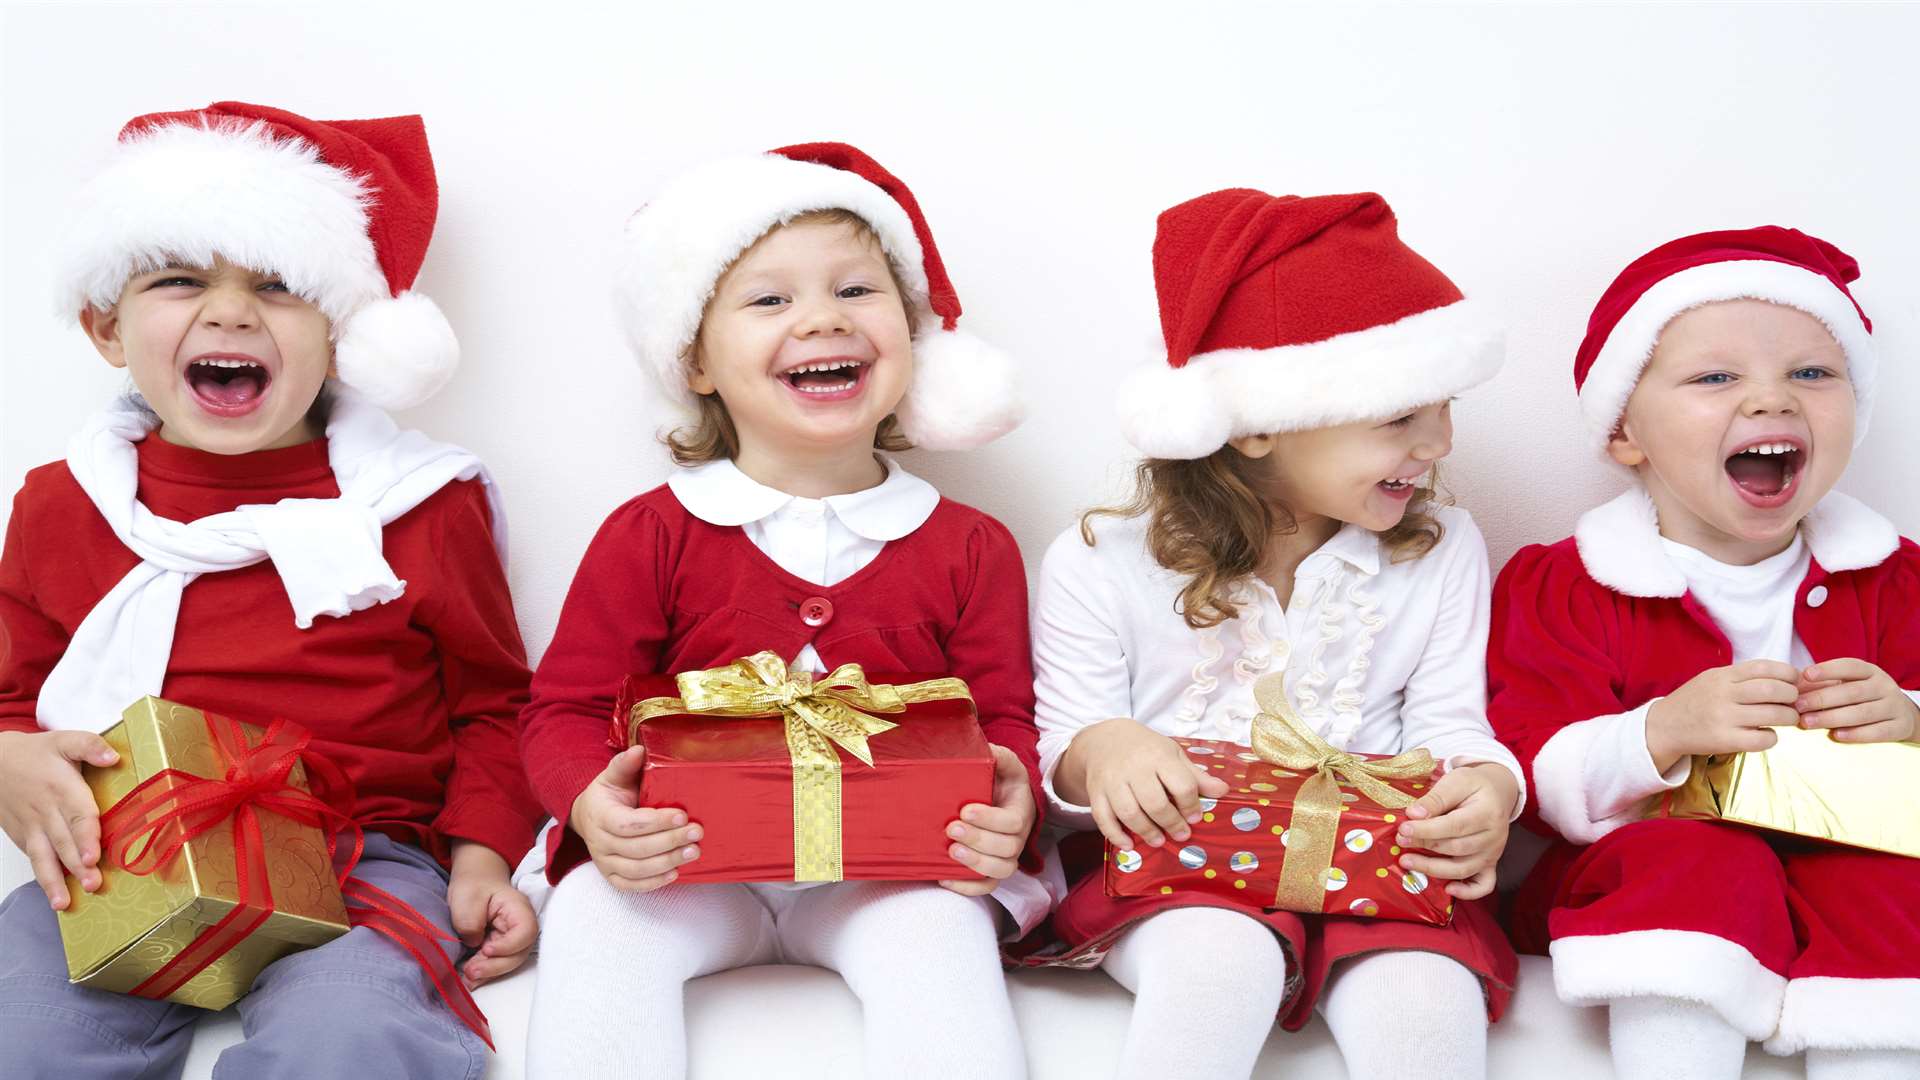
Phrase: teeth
[830,365]
[227,363]
[1770,448]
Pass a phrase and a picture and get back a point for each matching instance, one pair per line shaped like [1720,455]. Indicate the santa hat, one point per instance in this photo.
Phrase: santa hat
[341,210]
[1283,313]
[1784,266]
[677,246]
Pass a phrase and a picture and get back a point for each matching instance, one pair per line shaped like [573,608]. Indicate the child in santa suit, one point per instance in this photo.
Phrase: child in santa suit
[1729,591]
[253,536]
[793,304]
[1284,522]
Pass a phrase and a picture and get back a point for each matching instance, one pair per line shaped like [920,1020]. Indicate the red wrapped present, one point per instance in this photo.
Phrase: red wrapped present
[1305,827]
[795,777]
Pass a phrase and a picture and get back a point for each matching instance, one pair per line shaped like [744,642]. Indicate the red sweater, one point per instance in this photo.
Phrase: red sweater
[417,700]
[660,591]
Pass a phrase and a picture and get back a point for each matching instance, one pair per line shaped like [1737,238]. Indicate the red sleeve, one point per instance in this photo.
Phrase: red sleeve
[1898,647]
[614,623]
[989,648]
[30,642]
[483,678]
[1549,656]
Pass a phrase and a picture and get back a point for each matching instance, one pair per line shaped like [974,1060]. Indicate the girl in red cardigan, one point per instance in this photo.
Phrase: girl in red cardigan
[1729,592]
[250,537]
[794,303]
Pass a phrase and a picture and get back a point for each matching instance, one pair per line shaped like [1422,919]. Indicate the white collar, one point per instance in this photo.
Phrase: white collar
[1357,546]
[1619,542]
[718,493]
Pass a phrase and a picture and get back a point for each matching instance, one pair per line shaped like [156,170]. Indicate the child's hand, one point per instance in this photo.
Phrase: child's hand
[637,848]
[489,914]
[1464,819]
[1860,702]
[1135,778]
[989,838]
[46,808]
[1723,710]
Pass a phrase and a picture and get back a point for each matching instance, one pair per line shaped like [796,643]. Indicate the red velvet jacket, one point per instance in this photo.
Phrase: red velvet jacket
[417,699]
[661,591]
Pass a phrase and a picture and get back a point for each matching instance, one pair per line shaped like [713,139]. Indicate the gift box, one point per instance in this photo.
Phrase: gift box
[1806,784]
[204,883]
[797,777]
[1304,827]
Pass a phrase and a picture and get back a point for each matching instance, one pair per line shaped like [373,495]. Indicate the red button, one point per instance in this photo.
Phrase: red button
[816,611]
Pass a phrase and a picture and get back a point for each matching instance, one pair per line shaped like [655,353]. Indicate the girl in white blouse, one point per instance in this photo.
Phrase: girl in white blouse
[1284,522]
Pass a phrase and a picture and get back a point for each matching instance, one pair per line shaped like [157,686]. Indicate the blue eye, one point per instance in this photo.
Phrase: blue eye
[1810,374]
[1714,378]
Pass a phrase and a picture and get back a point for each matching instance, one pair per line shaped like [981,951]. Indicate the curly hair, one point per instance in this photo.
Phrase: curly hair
[1209,520]
[711,436]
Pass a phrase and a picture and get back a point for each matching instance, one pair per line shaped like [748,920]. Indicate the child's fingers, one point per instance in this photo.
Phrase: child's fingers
[992,866]
[1455,822]
[1835,695]
[641,821]
[1152,794]
[1843,669]
[1765,669]
[1126,807]
[1108,824]
[970,887]
[1182,785]
[1466,845]
[1449,869]
[1766,716]
[1211,786]
[1475,887]
[1881,731]
[1847,716]
[1749,740]
[468,912]
[999,819]
[614,864]
[484,969]
[641,884]
[659,843]
[46,870]
[1765,692]
[513,929]
[59,832]
[994,844]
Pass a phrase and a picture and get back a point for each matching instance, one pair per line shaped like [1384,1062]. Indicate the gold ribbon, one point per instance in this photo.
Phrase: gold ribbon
[1281,737]
[835,709]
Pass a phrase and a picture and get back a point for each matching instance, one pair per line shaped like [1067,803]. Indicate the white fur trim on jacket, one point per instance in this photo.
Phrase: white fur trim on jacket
[188,192]
[1687,964]
[1191,411]
[1594,776]
[1848,1014]
[1619,542]
[1616,371]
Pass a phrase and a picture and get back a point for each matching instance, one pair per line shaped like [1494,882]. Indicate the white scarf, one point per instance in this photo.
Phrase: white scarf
[327,551]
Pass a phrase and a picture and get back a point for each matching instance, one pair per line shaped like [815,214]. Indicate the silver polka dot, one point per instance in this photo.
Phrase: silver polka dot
[1193,856]
[1246,819]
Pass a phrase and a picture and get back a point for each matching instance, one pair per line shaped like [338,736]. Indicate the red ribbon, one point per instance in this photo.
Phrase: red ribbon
[153,823]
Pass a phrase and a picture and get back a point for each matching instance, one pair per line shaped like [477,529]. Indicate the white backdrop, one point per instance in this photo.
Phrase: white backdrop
[1529,150]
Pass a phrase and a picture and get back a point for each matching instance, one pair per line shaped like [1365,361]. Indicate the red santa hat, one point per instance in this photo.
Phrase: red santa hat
[1283,313]
[1784,266]
[677,246]
[341,210]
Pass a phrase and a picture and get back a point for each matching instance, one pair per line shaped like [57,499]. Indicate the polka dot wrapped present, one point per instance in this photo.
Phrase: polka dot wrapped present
[1303,827]
[800,777]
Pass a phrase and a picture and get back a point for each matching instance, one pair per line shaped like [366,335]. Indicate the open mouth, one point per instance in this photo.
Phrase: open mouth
[1765,473]
[827,379]
[1399,488]
[227,385]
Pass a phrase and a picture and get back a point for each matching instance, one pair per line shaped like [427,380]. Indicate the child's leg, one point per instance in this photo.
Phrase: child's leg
[1399,1014]
[1862,1064]
[613,970]
[1207,984]
[925,964]
[53,1030]
[359,1006]
[1673,1037]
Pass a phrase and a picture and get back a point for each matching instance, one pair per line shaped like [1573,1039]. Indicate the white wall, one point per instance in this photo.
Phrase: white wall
[1530,152]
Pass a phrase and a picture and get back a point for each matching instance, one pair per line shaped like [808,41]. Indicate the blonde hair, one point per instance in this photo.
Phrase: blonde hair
[711,436]
[1209,520]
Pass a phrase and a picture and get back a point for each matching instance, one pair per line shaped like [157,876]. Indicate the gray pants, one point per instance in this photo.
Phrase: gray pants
[356,1008]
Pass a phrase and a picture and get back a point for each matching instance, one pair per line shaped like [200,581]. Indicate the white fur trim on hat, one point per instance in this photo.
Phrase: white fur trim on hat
[1190,412]
[1629,348]
[679,244]
[397,352]
[965,393]
[189,192]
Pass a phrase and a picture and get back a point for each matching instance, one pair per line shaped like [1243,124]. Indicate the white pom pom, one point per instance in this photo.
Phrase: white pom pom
[965,393]
[1173,413]
[397,352]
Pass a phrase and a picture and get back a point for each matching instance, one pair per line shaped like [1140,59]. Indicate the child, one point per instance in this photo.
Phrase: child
[1284,522]
[794,305]
[1729,591]
[249,537]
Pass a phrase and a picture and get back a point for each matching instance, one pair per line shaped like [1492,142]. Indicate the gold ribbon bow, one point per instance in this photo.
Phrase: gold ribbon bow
[1281,737]
[835,709]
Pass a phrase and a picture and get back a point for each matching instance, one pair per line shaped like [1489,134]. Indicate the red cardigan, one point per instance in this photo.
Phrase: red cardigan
[662,591]
[417,700]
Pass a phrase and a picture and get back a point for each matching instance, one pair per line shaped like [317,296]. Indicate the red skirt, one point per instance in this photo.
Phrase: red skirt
[1088,922]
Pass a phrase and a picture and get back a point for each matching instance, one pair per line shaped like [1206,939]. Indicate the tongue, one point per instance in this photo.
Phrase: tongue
[1760,474]
[238,388]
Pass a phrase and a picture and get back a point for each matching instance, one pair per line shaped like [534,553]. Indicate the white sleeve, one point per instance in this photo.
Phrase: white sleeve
[1594,775]
[1027,898]
[1445,704]
[1079,665]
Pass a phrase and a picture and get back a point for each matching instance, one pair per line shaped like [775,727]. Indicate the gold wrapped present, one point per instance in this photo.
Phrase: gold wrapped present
[214,861]
[1858,794]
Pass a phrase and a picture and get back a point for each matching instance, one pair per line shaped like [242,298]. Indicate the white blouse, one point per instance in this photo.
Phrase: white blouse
[1380,656]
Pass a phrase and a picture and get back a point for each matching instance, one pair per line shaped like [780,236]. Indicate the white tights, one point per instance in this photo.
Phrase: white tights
[916,955]
[1686,1040]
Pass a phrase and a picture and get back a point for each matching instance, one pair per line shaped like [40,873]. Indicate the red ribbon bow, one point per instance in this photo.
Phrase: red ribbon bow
[147,829]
